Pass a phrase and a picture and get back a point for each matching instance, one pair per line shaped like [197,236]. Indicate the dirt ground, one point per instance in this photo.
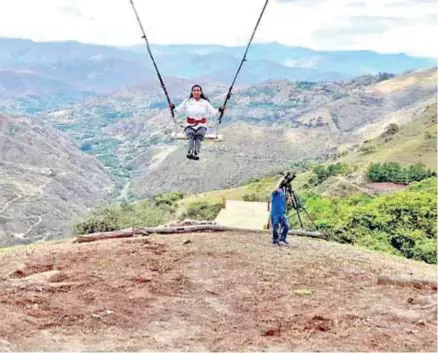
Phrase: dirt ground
[211,292]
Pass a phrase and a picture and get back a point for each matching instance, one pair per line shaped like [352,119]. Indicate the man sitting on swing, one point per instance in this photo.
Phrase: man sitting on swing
[197,106]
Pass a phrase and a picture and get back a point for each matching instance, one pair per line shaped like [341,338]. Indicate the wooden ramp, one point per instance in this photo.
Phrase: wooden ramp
[245,215]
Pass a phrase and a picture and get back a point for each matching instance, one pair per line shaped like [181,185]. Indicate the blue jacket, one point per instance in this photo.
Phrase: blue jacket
[278,203]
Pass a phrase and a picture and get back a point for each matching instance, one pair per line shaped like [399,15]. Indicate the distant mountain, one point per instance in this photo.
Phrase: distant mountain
[45,182]
[74,69]
[346,63]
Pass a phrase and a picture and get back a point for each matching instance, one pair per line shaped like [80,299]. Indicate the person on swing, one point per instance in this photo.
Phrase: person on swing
[197,106]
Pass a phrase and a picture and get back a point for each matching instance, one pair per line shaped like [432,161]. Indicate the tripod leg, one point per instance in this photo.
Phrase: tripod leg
[297,209]
[311,220]
[299,218]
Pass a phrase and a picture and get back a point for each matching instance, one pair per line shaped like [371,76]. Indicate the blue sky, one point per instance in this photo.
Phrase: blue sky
[382,25]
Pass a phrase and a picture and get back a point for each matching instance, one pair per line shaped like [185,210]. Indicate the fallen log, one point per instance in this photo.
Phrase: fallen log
[194,229]
[126,233]
[407,282]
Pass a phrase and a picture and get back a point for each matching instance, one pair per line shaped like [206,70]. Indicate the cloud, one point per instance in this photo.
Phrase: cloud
[431,19]
[74,13]
[380,25]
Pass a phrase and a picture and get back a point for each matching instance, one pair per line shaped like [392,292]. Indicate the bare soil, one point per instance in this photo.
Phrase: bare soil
[211,292]
[383,188]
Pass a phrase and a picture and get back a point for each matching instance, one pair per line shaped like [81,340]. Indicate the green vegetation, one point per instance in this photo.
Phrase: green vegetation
[402,223]
[322,172]
[147,213]
[202,210]
[395,173]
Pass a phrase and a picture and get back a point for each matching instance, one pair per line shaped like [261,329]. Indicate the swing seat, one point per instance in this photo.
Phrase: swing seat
[207,137]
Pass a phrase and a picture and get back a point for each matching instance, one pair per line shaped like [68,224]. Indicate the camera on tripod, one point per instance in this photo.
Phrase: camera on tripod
[287,180]
[295,202]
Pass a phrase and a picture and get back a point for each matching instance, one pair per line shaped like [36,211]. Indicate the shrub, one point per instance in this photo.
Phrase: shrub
[395,173]
[202,211]
[403,223]
[322,172]
[145,213]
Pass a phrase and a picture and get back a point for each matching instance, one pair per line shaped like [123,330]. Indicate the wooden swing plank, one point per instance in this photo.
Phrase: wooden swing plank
[209,137]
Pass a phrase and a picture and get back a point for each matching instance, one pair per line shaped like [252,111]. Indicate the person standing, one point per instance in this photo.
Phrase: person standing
[278,215]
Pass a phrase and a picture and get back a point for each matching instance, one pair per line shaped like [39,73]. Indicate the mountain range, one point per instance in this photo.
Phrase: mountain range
[73,70]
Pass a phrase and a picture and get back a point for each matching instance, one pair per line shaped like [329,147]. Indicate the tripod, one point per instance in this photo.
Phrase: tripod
[296,204]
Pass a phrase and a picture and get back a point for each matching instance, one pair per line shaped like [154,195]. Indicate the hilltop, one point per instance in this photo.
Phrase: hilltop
[212,292]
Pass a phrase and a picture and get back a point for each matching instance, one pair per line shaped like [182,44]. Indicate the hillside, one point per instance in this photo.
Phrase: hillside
[46,181]
[298,121]
[413,142]
[208,292]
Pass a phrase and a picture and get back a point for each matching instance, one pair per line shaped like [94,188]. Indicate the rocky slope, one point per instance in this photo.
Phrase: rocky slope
[45,181]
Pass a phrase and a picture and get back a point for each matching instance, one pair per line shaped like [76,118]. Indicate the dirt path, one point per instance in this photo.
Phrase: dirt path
[220,292]
[39,219]
[6,205]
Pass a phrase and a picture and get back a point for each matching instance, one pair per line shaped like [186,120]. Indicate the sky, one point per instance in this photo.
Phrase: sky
[386,26]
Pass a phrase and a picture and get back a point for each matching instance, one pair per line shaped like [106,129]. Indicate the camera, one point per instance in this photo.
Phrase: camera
[287,179]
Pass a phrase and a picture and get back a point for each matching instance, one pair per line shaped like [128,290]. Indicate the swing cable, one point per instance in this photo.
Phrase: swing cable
[153,61]
[241,63]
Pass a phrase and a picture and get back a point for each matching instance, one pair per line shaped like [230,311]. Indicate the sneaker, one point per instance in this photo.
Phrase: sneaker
[284,241]
[275,243]
[196,156]
[190,154]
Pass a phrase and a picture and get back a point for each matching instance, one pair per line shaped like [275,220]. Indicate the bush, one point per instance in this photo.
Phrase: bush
[104,220]
[403,223]
[395,173]
[322,172]
[124,215]
[202,211]
[167,198]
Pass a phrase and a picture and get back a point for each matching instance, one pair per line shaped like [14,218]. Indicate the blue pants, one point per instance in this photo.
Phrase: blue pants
[276,222]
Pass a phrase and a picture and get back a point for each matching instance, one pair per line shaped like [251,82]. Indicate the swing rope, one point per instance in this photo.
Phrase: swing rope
[235,77]
[163,86]
[243,60]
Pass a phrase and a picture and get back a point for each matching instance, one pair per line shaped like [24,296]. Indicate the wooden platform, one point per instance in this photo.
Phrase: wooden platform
[208,137]
[244,215]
